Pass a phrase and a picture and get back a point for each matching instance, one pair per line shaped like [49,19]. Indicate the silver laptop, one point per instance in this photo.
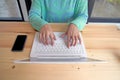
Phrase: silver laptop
[59,53]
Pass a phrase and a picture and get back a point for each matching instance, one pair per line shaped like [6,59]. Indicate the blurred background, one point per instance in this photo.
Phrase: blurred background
[10,9]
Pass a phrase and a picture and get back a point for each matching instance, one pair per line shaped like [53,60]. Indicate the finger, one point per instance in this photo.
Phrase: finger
[43,39]
[63,35]
[76,40]
[79,39]
[46,39]
[73,41]
[68,41]
[40,38]
[52,40]
[54,37]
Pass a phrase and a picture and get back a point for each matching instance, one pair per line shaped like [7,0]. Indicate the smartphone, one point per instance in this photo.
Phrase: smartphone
[19,43]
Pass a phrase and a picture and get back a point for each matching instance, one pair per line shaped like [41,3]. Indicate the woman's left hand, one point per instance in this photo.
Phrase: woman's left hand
[73,35]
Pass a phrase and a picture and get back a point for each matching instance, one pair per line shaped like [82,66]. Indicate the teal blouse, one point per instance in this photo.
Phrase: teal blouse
[58,11]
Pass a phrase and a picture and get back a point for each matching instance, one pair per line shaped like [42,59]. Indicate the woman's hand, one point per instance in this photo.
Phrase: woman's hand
[46,35]
[73,35]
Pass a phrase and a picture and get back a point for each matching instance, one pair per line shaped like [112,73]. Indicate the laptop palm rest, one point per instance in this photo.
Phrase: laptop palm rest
[60,60]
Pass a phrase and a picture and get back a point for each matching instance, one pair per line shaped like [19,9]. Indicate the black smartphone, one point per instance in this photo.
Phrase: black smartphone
[19,43]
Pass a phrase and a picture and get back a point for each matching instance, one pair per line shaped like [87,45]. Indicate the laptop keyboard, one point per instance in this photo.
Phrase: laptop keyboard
[59,49]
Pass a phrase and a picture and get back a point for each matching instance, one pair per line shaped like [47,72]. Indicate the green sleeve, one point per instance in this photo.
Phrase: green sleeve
[81,14]
[35,15]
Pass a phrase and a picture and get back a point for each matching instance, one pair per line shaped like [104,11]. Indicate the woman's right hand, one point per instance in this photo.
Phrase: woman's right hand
[46,35]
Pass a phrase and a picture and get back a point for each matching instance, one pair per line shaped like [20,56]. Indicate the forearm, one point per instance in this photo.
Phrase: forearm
[36,21]
[35,15]
[80,21]
[81,14]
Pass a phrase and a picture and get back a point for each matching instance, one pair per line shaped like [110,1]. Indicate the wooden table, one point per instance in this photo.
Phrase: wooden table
[101,42]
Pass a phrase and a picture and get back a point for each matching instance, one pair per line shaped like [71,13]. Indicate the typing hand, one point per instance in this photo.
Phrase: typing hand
[46,35]
[73,35]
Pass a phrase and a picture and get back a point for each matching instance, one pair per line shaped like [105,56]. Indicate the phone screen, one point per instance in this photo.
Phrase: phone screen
[19,43]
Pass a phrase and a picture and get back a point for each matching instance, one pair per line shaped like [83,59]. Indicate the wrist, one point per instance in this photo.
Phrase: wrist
[72,26]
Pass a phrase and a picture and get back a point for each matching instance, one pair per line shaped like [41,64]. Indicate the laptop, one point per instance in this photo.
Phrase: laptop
[59,53]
